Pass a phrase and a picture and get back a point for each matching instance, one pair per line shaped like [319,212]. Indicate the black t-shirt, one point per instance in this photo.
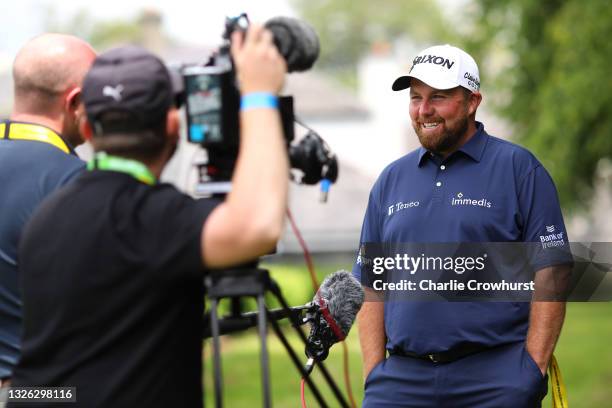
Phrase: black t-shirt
[112,279]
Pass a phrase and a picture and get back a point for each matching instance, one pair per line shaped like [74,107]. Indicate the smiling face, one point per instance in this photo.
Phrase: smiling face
[442,119]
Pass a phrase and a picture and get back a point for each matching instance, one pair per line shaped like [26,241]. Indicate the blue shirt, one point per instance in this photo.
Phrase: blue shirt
[489,190]
[29,171]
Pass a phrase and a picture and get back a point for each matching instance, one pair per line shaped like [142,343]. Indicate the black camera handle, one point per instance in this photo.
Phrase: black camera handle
[254,282]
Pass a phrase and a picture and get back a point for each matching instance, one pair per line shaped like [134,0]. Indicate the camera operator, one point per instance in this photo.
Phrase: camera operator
[112,265]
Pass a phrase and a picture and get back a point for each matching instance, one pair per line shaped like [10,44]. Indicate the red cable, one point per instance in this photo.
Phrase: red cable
[307,256]
[315,283]
[302,393]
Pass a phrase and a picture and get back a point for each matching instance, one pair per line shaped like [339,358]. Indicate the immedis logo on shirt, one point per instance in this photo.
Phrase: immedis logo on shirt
[468,201]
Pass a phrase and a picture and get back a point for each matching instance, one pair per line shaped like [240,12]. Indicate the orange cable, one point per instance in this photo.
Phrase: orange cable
[302,396]
[315,284]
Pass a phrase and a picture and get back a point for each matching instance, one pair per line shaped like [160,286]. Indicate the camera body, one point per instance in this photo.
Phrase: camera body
[212,101]
[211,97]
[212,104]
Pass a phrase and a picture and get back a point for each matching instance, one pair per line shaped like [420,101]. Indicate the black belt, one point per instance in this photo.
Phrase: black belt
[445,356]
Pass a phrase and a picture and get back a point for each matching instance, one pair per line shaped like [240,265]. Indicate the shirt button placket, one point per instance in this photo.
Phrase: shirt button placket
[438,193]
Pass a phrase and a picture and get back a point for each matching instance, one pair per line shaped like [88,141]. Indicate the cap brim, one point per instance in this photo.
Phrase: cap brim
[401,83]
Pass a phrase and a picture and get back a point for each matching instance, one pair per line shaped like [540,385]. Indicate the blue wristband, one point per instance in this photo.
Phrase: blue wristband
[258,100]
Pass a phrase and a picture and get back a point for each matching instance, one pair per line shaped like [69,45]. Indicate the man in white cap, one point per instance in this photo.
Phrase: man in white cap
[462,185]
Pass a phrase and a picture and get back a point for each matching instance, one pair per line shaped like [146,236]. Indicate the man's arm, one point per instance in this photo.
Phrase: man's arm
[545,322]
[371,331]
[250,221]
[546,316]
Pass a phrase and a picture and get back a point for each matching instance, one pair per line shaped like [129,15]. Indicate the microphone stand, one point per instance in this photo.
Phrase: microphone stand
[243,321]
[254,282]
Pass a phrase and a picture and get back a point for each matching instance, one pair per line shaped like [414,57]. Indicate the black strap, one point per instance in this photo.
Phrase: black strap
[445,356]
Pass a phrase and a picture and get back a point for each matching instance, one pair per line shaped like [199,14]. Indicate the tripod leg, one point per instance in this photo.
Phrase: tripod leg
[265,360]
[275,289]
[296,361]
[218,377]
[332,384]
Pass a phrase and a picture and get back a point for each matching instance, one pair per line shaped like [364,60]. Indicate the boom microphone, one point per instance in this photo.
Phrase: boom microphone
[339,298]
[296,41]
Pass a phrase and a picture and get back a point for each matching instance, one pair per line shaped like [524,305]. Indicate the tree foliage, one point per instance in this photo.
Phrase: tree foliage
[347,29]
[554,87]
[558,85]
[100,34]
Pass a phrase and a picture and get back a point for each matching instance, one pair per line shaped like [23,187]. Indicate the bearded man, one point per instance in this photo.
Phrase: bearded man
[459,354]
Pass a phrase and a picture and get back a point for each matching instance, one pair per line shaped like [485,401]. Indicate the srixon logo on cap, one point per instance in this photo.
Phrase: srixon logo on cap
[433,59]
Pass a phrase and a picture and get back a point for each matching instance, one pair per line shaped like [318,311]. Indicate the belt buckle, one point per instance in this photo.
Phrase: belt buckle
[433,357]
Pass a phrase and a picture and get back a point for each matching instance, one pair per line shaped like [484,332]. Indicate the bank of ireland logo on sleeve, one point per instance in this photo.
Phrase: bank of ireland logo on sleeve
[552,238]
[362,259]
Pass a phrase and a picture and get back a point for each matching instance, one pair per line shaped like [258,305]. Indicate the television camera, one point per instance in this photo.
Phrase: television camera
[212,99]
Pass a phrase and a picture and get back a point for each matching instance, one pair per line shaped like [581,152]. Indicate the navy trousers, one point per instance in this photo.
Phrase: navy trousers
[502,377]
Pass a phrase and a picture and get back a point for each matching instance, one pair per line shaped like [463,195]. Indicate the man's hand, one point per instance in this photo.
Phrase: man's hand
[371,331]
[545,321]
[259,66]
[546,317]
[249,222]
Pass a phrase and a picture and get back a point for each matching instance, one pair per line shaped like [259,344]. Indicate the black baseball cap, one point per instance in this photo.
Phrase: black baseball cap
[127,90]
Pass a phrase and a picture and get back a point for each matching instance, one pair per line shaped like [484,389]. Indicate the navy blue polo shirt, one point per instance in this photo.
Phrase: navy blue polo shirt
[29,171]
[489,190]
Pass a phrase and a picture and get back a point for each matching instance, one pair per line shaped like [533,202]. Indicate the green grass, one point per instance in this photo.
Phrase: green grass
[582,353]
[584,356]
[242,380]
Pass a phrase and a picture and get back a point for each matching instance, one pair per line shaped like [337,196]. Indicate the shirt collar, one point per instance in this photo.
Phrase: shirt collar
[474,148]
[476,145]
[422,153]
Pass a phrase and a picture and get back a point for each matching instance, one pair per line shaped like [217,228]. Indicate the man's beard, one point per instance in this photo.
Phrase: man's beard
[445,142]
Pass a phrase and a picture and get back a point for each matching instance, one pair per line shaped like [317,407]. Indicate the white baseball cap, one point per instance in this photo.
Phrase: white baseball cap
[442,67]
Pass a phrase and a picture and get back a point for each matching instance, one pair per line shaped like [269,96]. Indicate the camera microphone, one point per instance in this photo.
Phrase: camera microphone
[296,40]
[337,302]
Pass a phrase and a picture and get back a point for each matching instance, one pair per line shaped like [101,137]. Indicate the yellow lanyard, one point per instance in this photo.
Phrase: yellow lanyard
[28,131]
[559,393]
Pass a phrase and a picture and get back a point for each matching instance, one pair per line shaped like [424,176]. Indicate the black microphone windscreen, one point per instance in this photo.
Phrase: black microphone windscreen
[296,40]
[344,297]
